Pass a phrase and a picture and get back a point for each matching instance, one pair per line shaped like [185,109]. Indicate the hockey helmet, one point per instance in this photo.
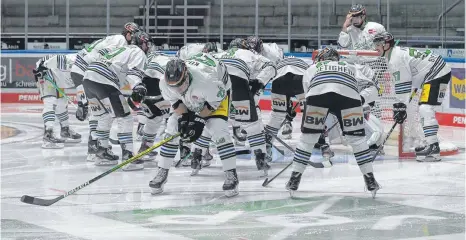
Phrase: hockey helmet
[327,54]
[176,75]
[384,38]
[255,43]
[238,43]
[210,47]
[130,27]
[142,40]
[358,12]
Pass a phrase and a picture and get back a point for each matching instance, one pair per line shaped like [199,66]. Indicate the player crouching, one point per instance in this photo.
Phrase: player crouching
[52,74]
[418,70]
[198,91]
[332,86]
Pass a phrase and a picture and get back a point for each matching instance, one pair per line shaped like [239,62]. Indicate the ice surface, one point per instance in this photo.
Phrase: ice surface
[417,201]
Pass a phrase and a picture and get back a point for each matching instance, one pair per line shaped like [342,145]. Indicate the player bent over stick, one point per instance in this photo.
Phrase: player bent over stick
[198,90]
[416,70]
[332,86]
[102,82]
[53,72]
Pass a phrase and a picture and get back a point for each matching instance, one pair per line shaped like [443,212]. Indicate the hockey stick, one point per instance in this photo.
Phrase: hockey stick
[48,202]
[266,181]
[46,76]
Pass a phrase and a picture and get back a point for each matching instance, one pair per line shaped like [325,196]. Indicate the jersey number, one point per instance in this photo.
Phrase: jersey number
[396,75]
[202,59]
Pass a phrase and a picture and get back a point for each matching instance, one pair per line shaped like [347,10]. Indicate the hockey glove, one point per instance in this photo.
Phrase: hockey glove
[132,105]
[81,111]
[40,71]
[399,112]
[255,86]
[190,126]
[139,91]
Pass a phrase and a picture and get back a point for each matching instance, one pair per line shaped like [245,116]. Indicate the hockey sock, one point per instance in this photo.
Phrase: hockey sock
[150,129]
[361,152]
[429,123]
[48,113]
[125,135]
[62,112]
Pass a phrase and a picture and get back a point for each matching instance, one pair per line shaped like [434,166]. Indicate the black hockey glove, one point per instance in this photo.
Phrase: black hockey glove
[81,111]
[255,86]
[399,112]
[40,71]
[190,126]
[139,91]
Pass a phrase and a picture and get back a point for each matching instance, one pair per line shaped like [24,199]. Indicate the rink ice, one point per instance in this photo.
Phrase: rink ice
[417,200]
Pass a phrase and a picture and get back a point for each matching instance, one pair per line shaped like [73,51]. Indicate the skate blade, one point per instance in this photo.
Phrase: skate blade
[432,158]
[195,172]
[148,158]
[156,191]
[231,193]
[265,174]
[70,140]
[286,136]
[90,158]
[293,193]
[185,163]
[53,145]
[133,167]
[205,164]
[105,163]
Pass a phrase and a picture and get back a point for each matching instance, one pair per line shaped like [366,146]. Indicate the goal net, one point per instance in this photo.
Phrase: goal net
[409,135]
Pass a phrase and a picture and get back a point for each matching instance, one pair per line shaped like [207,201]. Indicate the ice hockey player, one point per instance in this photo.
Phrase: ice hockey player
[106,74]
[420,71]
[192,49]
[52,72]
[198,90]
[156,109]
[249,72]
[357,33]
[332,86]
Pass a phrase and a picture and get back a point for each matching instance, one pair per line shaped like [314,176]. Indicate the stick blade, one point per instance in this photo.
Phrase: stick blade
[266,182]
[38,201]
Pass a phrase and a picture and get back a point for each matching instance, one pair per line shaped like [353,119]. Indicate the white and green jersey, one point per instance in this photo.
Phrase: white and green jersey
[107,42]
[155,66]
[292,65]
[360,38]
[117,66]
[60,66]
[272,52]
[189,50]
[209,83]
[334,76]
[410,68]
[247,64]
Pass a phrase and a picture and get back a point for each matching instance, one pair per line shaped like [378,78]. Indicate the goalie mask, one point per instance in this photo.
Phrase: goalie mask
[176,75]
[358,13]
[383,42]
[327,54]
[255,43]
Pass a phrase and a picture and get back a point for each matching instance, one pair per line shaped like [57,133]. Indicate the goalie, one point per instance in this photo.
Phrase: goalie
[417,70]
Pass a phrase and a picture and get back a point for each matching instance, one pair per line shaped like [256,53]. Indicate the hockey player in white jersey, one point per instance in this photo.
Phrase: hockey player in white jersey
[155,108]
[332,86]
[357,33]
[249,72]
[198,90]
[192,49]
[52,72]
[103,79]
[421,71]
[269,50]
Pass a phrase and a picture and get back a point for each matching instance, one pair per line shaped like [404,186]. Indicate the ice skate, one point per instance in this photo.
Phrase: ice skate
[261,163]
[268,147]
[50,141]
[133,166]
[151,155]
[430,153]
[92,148]
[239,136]
[105,157]
[293,184]
[69,135]
[159,181]
[371,184]
[287,130]
[207,159]
[230,186]
[196,161]
[327,153]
